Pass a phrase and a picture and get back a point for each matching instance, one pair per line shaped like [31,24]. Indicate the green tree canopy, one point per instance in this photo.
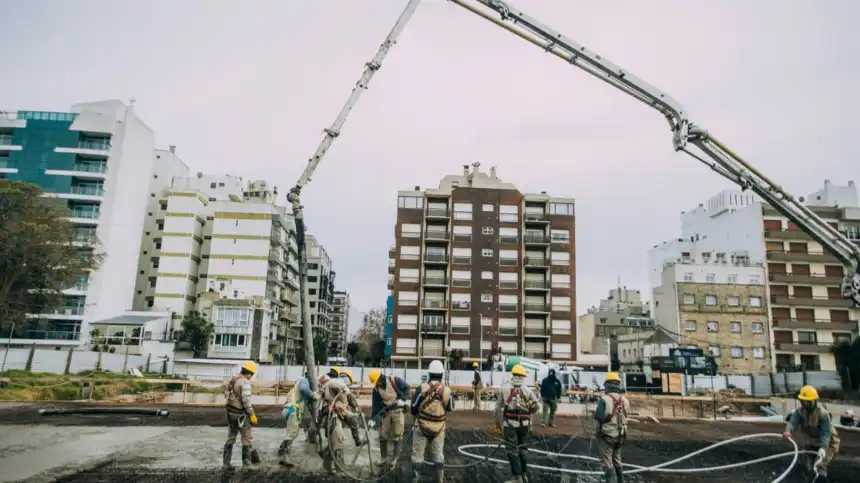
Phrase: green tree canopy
[321,343]
[38,254]
[197,331]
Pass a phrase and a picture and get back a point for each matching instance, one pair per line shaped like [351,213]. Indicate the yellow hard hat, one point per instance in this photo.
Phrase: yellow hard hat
[518,370]
[808,393]
[612,376]
[474,364]
[336,369]
[347,373]
[250,366]
[373,375]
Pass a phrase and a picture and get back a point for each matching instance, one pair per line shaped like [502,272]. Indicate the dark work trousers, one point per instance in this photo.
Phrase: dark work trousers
[515,438]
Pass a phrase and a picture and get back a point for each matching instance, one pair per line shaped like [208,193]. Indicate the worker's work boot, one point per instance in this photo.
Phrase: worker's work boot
[227,455]
[524,468]
[246,455]
[328,464]
[439,472]
[610,475]
[383,454]
[395,452]
[417,469]
[619,473]
[284,453]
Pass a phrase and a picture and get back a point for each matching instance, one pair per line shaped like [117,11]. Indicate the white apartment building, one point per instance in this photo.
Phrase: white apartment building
[320,284]
[96,157]
[805,309]
[338,321]
[229,253]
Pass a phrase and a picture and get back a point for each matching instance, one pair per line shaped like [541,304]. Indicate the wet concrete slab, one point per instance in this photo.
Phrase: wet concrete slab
[43,453]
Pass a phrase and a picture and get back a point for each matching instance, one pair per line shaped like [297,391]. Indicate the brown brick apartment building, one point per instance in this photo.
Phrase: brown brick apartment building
[478,266]
[808,311]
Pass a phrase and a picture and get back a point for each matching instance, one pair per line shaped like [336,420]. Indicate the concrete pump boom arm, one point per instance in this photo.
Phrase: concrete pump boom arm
[710,151]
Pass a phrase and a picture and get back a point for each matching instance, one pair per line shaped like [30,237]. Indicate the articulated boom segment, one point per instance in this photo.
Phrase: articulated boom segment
[716,156]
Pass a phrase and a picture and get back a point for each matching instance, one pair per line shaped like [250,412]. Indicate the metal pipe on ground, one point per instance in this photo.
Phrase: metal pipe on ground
[104,410]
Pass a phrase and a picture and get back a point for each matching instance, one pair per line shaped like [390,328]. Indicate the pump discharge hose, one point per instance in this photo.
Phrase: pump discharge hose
[104,410]
[661,468]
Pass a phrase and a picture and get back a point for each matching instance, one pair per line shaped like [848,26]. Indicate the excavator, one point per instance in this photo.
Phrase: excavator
[687,137]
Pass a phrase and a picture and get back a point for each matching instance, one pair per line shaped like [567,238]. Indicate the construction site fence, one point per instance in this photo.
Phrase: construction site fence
[74,361]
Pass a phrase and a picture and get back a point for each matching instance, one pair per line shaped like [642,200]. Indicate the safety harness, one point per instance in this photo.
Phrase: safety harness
[520,413]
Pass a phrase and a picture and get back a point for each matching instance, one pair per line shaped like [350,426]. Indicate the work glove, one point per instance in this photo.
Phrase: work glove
[402,404]
[317,396]
[371,424]
[822,453]
[253,418]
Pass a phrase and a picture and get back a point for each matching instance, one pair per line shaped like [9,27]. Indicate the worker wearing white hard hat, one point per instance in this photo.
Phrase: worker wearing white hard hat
[611,414]
[813,420]
[430,406]
[847,419]
[515,405]
[240,415]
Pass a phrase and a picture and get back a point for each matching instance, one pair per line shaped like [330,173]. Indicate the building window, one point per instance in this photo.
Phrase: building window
[755,301]
[714,350]
[487,252]
[409,321]
[232,317]
[713,326]
[410,202]
[486,230]
[406,346]
[710,278]
[710,300]
[735,327]
[462,211]
[486,275]
[410,230]
[737,352]
[230,340]
[755,279]
[486,297]
[757,327]
[486,321]
[688,276]
[690,325]
[509,213]
[689,299]
[733,278]
[807,337]
[758,352]
[488,207]
[561,209]
[734,301]
[560,236]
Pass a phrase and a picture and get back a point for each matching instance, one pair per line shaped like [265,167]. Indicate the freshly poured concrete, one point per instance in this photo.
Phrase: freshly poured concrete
[41,453]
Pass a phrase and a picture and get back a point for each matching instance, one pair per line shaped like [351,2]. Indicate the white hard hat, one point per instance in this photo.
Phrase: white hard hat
[436,368]
[850,412]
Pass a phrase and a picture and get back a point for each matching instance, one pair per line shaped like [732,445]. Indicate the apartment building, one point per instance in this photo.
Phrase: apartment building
[478,266]
[622,312]
[228,251]
[96,158]
[338,321]
[805,307]
[718,304]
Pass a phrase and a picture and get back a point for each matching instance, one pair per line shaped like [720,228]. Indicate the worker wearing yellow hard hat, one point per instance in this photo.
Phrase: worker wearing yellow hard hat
[388,401]
[340,409]
[241,415]
[294,408]
[813,421]
[515,405]
[477,386]
[611,414]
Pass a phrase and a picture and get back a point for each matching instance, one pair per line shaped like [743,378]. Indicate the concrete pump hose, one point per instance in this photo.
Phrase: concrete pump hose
[661,468]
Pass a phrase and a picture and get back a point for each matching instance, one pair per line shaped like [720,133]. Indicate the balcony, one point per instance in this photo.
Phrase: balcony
[87,190]
[436,281]
[531,239]
[508,307]
[811,301]
[811,257]
[536,285]
[537,332]
[509,239]
[392,251]
[437,213]
[390,266]
[535,218]
[804,279]
[432,352]
[792,234]
[461,260]
[461,283]
[804,347]
[508,284]
[536,262]
[532,307]
[5,140]
[437,235]
[84,214]
[850,326]
[435,258]
[88,147]
[541,356]
[508,262]
[434,328]
[434,304]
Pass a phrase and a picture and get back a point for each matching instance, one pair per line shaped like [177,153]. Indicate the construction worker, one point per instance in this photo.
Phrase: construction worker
[430,406]
[337,411]
[812,419]
[514,409]
[388,402]
[477,386]
[294,409]
[354,423]
[240,415]
[611,415]
[550,392]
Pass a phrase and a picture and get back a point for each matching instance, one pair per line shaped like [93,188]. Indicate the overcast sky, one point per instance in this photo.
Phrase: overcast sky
[246,89]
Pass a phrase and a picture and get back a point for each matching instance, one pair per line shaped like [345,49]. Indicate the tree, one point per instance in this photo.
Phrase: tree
[847,355]
[39,256]
[352,350]
[370,338]
[197,331]
[321,343]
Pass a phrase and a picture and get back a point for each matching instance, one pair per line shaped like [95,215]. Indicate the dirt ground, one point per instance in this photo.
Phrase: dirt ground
[649,443]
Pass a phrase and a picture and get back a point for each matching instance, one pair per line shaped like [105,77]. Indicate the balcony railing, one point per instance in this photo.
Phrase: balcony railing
[537,332]
[789,256]
[87,190]
[435,281]
[434,327]
[530,307]
[804,347]
[432,352]
[536,262]
[5,140]
[805,278]
[434,304]
[811,301]
[436,235]
[435,258]
[536,239]
[95,145]
[848,326]
[536,284]
[437,213]
[90,167]
[89,214]
[535,217]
